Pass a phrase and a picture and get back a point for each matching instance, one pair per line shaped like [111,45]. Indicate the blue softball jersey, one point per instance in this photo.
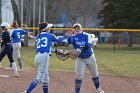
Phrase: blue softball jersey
[44,41]
[79,41]
[17,34]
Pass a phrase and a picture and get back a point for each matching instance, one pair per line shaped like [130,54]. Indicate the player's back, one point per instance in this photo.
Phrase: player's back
[44,42]
[17,34]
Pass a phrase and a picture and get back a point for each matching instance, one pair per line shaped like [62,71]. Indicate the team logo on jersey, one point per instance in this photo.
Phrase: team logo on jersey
[80,43]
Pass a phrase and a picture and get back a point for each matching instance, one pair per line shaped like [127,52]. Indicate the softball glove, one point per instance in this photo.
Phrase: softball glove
[62,54]
[65,54]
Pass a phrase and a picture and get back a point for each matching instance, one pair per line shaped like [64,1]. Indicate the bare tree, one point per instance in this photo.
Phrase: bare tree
[16,11]
[78,8]
[73,10]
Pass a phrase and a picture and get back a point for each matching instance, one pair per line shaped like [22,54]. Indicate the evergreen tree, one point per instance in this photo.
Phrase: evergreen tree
[120,13]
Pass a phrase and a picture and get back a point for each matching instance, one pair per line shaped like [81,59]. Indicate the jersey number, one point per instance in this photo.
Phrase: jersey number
[18,34]
[42,42]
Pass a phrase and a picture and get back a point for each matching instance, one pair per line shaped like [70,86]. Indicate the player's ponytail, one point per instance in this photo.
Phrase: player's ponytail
[15,24]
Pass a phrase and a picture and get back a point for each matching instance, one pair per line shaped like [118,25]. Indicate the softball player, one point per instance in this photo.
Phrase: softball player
[43,46]
[83,41]
[7,47]
[16,35]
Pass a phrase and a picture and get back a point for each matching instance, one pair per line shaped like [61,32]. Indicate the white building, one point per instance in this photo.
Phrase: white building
[7,11]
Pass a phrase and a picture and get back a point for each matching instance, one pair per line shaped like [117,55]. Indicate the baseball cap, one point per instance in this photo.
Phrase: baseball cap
[77,25]
[5,24]
[45,25]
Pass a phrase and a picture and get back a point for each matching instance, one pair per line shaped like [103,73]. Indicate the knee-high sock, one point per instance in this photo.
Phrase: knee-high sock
[78,84]
[45,87]
[96,82]
[33,84]
[20,63]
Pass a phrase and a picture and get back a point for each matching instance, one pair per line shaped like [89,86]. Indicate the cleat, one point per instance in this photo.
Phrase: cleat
[20,69]
[16,75]
[23,92]
[100,91]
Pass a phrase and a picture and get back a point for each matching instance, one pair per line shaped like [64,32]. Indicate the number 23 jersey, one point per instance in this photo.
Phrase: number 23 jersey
[44,41]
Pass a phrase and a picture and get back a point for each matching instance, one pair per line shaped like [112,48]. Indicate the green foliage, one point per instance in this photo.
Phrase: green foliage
[120,13]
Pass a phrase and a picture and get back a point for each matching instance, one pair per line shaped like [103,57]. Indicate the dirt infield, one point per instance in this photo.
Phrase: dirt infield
[63,82]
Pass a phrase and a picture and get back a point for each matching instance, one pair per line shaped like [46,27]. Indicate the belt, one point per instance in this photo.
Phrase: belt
[42,52]
[7,43]
[85,57]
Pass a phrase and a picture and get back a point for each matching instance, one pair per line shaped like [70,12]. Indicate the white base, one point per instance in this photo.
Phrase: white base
[4,76]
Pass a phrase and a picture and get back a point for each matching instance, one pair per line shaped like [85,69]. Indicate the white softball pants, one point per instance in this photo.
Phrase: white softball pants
[16,49]
[81,64]
[42,63]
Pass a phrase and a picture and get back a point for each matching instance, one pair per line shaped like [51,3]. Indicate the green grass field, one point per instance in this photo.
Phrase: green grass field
[124,62]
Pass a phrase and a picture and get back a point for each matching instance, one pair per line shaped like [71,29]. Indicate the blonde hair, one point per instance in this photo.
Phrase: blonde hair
[15,24]
[77,25]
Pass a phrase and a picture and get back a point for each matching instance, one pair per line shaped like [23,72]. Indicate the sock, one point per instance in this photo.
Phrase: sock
[45,87]
[33,84]
[14,67]
[78,84]
[96,82]
[20,63]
